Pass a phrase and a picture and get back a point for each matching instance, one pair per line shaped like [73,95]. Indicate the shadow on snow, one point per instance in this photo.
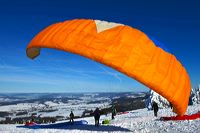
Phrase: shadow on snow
[78,127]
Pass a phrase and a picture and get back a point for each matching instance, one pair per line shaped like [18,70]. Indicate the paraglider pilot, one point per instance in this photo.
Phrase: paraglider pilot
[171,106]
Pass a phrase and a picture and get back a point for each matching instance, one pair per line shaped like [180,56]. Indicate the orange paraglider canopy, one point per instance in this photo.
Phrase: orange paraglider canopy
[123,48]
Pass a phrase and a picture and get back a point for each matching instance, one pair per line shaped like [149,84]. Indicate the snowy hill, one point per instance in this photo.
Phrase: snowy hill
[195,96]
[153,96]
[140,120]
[163,103]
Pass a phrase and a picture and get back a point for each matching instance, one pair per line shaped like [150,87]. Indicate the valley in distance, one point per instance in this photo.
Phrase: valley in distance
[17,108]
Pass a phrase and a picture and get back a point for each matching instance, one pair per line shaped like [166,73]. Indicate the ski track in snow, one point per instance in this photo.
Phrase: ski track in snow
[138,121]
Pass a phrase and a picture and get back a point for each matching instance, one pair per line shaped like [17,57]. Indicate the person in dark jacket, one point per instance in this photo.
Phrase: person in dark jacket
[155,108]
[114,112]
[71,117]
[171,106]
[97,116]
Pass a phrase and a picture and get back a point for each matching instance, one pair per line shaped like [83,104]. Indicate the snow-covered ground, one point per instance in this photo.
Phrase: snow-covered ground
[141,121]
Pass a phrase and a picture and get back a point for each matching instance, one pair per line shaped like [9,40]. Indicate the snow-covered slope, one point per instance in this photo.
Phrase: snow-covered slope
[195,96]
[140,120]
[163,103]
[153,96]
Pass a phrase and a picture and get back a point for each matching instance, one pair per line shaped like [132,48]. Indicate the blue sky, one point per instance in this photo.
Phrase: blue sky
[174,23]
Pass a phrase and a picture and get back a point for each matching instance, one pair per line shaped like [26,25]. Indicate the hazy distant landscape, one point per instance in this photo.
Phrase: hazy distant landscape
[20,107]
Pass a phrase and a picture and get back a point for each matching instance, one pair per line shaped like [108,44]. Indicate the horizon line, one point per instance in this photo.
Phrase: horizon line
[73,92]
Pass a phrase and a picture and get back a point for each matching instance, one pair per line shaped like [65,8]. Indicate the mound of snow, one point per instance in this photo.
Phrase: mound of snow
[153,96]
[195,96]
[163,103]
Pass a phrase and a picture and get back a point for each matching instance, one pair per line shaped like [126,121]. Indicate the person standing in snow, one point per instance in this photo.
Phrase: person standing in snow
[114,112]
[97,116]
[155,108]
[71,117]
[171,106]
